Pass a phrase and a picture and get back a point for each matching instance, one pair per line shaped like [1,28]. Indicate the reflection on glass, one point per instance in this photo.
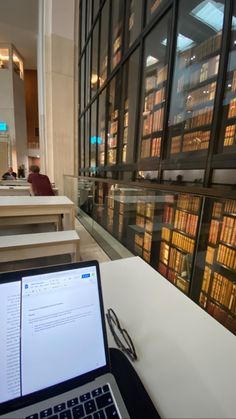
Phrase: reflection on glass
[82,23]
[103,59]
[152,8]
[135,16]
[93,136]
[82,72]
[130,89]
[101,128]
[113,117]
[87,137]
[4,58]
[228,128]
[154,89]
[217,273]
[89,15]
[87,73]
[178,235]
[81,142]
[195,75]
[96,4]
[117,22]
[94,72]
[18,65]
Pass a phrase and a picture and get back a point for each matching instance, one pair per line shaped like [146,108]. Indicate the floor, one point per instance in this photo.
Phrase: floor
[89,249]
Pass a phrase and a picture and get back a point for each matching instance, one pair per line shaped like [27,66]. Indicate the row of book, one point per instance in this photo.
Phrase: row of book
[164,253]
[226,256]
[147,241]
[140,221]
[224,292]
[196,141]
[230,136]
[186,222]
[200,96]
[145,148]
[210,253]
[176,144]
[217,209]
[156,147]
[168,214]
[183,242]
[232,108]
[181,283]
[199,118]
[165,233]
[207,70]
[189,202]
[228,230]
[178,261]
[230,207]
[158,120]
[138,240]
[201,51]
[159,76]
[213,232]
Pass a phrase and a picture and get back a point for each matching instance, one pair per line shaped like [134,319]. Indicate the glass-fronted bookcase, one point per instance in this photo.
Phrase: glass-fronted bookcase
[157,100]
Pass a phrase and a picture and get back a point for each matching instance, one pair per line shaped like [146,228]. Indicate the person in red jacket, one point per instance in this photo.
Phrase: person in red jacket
[40,184]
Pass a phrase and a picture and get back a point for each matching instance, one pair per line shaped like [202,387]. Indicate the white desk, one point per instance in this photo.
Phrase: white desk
[18,190]
[187,360]
[28,206]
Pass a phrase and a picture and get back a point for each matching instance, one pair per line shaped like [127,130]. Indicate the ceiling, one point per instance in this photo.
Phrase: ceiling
[19,26]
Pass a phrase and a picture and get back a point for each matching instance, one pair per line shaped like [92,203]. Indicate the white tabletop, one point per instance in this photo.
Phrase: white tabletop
[34,200]
[187,360]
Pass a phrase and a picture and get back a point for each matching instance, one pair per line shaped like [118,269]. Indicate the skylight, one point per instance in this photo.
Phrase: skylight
[151,60]
[211,13]
[183,42]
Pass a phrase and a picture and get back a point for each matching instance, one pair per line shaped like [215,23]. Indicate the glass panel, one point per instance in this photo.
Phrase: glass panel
[81,143]
[18,65]
[102,128]
[183,177]
[4,58]
[113,118]
[96,4]
[130,90]
[83,23]
[195,74]
[135,19]
[94,74]
[154,89]
[228,127]
[87,138]
[215,278]
[89,15]
[93,136]
[152,8]
[82,72]
[103,59]
[88,72]
[117,22]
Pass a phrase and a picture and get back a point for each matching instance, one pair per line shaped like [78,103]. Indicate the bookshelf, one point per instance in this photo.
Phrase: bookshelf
[218,290]
[193,96]
[125,131]
[112,138]
[178,239]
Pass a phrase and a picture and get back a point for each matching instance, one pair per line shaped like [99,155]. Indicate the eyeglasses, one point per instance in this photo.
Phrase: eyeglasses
[120,335]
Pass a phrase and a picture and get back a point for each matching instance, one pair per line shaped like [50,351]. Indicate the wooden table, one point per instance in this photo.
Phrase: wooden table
[186,359]
[37,206]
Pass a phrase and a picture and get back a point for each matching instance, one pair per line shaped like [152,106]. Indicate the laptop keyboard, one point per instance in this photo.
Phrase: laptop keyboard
[97,404]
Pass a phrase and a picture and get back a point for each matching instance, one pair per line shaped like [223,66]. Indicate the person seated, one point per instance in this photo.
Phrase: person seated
[9,175]
[40,184]
[21,171]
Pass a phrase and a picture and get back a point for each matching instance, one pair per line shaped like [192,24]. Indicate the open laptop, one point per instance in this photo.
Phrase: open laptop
[54,358]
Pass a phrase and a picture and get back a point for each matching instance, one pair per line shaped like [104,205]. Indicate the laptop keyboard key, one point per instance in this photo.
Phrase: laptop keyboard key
[85,397]
[59,407]
[111,412]
[90,406]
[34,416]
[78,412]
[66,415]
[104,400]
[46,413]
[105,388]
[97,392]
[54,417]
[99,415]
[72,402]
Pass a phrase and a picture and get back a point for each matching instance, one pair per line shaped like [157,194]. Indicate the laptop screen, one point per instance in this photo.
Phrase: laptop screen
[51,327]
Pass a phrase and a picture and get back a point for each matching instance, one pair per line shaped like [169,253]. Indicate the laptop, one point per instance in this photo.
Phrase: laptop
[54,358]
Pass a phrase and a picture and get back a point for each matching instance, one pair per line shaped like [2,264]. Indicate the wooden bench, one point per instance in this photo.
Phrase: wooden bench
[36,245]
[6,222]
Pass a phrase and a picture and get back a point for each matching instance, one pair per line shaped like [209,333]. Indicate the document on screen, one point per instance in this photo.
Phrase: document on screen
[10,341]
[61,333]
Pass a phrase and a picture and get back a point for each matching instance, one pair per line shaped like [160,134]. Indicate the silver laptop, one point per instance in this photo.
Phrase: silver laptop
[54,358]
